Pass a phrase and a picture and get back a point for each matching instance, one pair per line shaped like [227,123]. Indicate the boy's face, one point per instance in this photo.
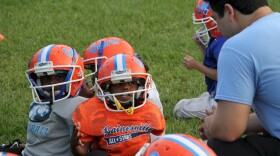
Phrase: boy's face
[123,87]
[52,79]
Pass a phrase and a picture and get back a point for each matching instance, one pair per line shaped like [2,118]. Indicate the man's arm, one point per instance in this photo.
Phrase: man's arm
[228,122]
[254,125]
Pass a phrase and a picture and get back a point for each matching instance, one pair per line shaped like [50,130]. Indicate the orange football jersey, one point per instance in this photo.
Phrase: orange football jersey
[118,133]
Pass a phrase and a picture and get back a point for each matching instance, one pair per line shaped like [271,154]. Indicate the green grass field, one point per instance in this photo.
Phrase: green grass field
[159,30]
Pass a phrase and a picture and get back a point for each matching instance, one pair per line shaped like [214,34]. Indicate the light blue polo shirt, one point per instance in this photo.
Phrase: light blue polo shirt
[249,70]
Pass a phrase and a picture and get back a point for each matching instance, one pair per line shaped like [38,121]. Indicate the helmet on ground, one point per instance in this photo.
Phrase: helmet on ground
[118,69]
[178,145]
[202,16]
[55,60]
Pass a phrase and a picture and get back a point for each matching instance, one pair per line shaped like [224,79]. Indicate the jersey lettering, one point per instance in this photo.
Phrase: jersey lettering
[142,127]
[38,129]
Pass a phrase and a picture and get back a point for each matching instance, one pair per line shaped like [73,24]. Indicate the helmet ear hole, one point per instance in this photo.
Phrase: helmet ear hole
[141,82]
[140,96]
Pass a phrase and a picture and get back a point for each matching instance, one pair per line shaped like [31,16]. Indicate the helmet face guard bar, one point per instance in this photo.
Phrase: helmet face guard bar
[104,94]
[203,32]
[37,89]
[89,65]
[89,62]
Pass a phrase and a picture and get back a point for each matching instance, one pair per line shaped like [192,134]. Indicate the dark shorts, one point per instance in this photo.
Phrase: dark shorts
[250,145]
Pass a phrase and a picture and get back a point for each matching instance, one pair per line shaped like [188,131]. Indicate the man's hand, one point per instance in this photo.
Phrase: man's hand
[204,133]
[204,127]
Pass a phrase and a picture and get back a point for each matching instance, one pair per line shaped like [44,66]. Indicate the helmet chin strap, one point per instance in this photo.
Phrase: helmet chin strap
[129,111]
[112,98]
[49,94]
[126,102]
[55,94]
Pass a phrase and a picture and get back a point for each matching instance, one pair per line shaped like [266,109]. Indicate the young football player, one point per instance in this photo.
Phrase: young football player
[210,42]
[96,54]
[120,119]
[101,50]
[56,74]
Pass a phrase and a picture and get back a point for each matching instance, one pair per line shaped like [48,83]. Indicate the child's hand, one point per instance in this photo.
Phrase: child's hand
[189,62]
[76,135]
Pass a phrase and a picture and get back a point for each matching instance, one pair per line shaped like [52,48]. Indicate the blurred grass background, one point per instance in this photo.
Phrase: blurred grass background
[159,30]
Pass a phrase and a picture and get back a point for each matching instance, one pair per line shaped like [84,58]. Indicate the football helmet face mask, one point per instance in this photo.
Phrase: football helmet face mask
[54,60]
[99,51]
[177,145]
[202,16]
[120,69]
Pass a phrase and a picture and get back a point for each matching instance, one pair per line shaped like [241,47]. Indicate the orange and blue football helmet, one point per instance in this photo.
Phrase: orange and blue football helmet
[51,60]
[178,145]
[122,68]
[202,16]
[99,51]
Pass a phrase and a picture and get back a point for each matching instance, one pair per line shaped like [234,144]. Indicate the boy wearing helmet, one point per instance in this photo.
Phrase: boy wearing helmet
[120,119]
[101,50]
[96,54]
[209,35]
[56,76]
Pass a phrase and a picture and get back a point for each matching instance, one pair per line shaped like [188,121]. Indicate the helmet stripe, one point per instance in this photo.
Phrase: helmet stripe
[119,62]
[100,54]
[45,53]
[75,57]
[189,144]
